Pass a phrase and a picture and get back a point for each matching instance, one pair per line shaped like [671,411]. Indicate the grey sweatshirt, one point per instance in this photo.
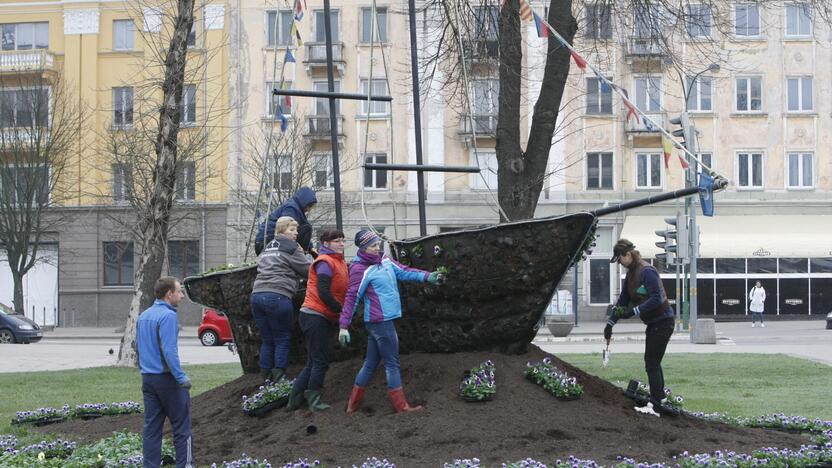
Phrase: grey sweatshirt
[280,267]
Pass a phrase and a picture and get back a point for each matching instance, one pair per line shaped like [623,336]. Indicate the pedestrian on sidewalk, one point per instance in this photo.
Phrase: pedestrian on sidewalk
[643,296]
[757,296]
[165,386]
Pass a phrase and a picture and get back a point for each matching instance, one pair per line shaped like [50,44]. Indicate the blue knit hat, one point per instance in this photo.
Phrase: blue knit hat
[365,238]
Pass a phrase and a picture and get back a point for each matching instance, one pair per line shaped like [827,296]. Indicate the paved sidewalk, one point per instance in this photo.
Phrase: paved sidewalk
[94,333]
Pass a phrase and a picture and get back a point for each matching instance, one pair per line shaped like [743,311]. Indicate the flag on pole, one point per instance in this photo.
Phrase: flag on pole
[294,32]
[298,10]
[579,61]
[706,194]
[542,30]
[667,145]
[605,87]
[284,122]
[684,163]
[525,11]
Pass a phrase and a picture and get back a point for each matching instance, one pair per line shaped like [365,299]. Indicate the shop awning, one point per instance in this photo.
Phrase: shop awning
[743,236]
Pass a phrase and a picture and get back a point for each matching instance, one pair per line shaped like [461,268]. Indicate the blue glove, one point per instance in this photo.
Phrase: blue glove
[434,277]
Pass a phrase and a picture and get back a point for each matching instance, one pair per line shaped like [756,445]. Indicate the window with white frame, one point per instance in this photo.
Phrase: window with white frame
[187,108]
[599,20]
[122,182]
[123,34]
[282,172]
[699,21]
[799,94]
[25,185]
[486,160]
[649,170]
[800,167]
[322,104]
[599,171]
[184,186]
[798,20]
[646,20]
[24,36]
[601,271]
[375,179]
[272,99]
[598,97]
[322,177]
[122,106]
[485,94]
[379,89]
[649,93]
[486,22]
[746,20]
[279,28]
[707,159]
[749,94]
[700,97]
[25,107]
[192,35]
[750,170]
[335,25]
[367,24]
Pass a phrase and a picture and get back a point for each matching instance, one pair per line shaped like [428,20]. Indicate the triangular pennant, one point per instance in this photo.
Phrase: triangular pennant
[298,10]
[684,163]
[667,145]
[579,61]
[525,11]
[542,30]
[284,122]
[289,58]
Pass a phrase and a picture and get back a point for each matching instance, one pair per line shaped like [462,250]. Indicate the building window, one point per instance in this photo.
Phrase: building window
[25,36]
[747,20]
[648,170]
[486,160]
[707,159]
[122,182]
[800,171]
[187,109]
[24,108]
[322,171]
[322,104]
[279,28]
[486,22]
[320,31]
[749,94]
[798,20]
[485,95]
[122,107]
[25,186]
[271,98]
[601,271]
[599,21]
[750,170]
[367,24]
[118,263]
[799,94]
[699,21]
[599,171]
[375,107]
[283,172]
[375,179]
[649,93]
[183,258]
[192,35]
[123,34]
[185,184]
[598,97]
[699,98]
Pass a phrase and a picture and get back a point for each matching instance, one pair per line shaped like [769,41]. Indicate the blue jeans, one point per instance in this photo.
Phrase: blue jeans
[382,345]
[273,314]
[755,316]
[164,398]
[317,332]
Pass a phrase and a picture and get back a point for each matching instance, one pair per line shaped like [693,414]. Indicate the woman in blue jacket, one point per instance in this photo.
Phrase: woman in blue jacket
[374,278]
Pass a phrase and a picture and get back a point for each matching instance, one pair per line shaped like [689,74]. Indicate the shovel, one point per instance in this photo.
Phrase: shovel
[605,355]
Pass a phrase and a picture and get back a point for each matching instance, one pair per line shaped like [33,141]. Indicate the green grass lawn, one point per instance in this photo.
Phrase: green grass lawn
[736,384]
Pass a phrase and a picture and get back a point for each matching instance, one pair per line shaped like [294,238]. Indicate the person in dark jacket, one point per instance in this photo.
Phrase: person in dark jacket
[280,267]
[325,292]
[643,296]
[374,278]
[165,386]
[296,208]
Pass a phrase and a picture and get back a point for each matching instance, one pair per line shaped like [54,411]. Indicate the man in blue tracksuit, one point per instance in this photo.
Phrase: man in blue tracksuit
[164,385]
[296,208]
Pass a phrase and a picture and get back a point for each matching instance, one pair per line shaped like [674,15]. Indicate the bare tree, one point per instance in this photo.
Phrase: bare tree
[39,124]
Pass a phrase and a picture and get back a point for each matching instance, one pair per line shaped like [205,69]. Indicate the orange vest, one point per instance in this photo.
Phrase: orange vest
[340,277]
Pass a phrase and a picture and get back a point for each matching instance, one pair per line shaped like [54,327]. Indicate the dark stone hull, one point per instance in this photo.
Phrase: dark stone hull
[500,281]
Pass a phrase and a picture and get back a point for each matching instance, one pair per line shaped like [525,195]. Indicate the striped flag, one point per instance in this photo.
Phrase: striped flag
[667,146]
[542,30]
[525,11]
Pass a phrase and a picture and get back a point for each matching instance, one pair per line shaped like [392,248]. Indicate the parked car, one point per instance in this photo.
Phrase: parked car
[829,321]
[214,329]
[16,328]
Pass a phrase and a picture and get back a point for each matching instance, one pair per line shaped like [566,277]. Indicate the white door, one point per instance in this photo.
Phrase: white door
[40,286]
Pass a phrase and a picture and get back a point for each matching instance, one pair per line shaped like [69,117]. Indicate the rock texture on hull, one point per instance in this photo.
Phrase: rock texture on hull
[501,279]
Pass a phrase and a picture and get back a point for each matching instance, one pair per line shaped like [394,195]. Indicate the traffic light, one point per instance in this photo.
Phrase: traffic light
[683,131]
[682,239]
[669,242]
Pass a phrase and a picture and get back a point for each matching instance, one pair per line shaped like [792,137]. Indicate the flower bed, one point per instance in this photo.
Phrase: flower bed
[271,395]
[555,381]
[478,383]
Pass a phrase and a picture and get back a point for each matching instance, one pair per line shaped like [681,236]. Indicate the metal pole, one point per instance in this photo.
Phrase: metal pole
[333,117]
[417,115]
[575,295]
[693,235]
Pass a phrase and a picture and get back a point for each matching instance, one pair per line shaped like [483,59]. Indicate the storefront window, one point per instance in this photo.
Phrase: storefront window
[821,265]
[705,265]
[730,265]
[794,296]
[794,265]
[762,265]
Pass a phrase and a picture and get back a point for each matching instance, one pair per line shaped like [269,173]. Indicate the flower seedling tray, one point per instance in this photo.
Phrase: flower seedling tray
[268,407]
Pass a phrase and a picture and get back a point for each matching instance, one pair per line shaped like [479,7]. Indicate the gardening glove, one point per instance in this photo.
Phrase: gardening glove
[433,277]
[344,337]
[186,384]
[608,332]
[624,312]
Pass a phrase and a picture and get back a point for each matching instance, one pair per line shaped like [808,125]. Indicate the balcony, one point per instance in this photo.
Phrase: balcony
[631,126]
[316,56]
[23,137]
[318,128]
[644,47]
[485,125]
[482,49]
[22,61]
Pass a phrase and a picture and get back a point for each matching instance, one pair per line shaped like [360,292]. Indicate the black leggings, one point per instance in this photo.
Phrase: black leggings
[658,335]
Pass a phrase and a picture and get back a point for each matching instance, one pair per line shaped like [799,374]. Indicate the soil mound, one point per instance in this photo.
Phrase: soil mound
[522,421]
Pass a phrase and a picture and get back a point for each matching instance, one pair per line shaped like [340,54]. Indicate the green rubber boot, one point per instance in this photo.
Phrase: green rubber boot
[313,400]
[295,399]
[277,375]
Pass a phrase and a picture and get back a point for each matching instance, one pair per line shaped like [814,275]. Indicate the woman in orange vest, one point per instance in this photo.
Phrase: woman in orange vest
[325,291]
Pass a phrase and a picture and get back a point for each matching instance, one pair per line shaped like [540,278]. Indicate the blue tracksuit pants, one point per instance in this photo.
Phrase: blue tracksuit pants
[164,398]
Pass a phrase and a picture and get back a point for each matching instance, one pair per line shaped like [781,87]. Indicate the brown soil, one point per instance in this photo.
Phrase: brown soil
[522,421]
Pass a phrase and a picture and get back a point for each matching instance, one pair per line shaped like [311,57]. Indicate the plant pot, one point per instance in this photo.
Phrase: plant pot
[268,407]
[88,416]
[559,328]
[568,398]
[476,400]
[47,421]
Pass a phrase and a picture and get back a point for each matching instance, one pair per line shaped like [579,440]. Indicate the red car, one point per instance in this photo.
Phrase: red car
[214,329]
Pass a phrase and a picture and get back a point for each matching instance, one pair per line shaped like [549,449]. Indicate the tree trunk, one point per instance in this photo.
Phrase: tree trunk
[154,225]
[17,279]
[520,175]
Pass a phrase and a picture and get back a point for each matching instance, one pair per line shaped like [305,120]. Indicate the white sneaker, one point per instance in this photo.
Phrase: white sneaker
[647,409]
[753,324]
[763,325]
